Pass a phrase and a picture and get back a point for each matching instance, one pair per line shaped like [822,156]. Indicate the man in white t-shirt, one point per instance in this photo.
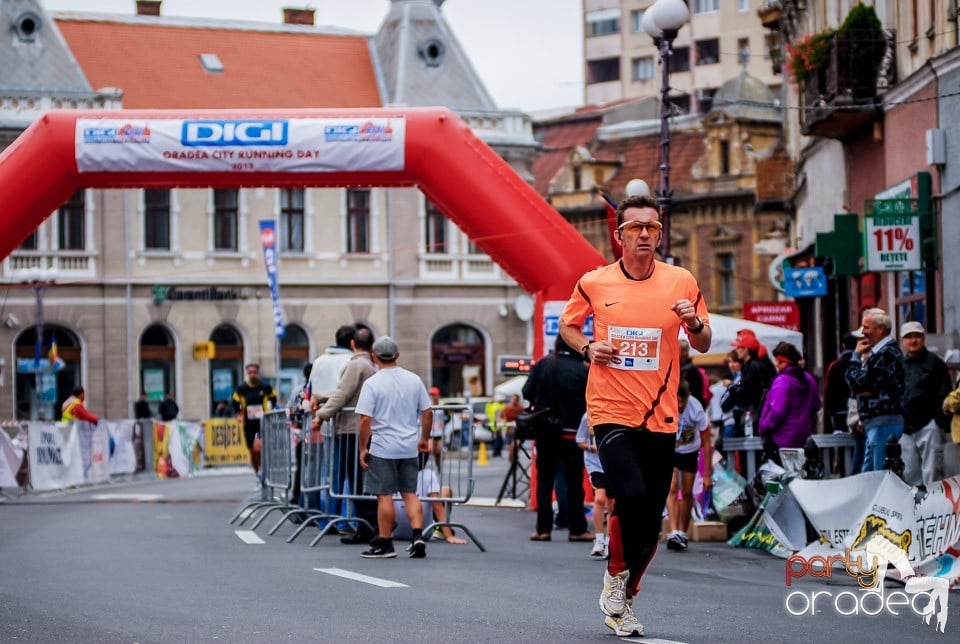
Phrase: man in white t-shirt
[395,421]
[693,434]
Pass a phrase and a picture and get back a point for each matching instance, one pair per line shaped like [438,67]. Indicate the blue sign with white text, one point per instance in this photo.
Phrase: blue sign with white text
[805,282]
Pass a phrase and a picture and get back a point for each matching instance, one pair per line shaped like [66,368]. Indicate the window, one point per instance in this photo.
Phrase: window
[30,243]
[743,51]
[705,99]
[725,272]
[225,216]
[435,233]
[680,60]
[603,71]
[603,22]
[358,221]
[743,5]
[70,223]
[681,102]
[636,21]
[291,220]
[156,219]
[708,52]
[706,6]
[643,68]
[724,158]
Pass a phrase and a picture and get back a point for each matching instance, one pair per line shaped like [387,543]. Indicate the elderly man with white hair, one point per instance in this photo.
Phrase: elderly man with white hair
[876,382]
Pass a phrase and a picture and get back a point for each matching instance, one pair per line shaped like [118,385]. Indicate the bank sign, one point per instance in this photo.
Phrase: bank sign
[892,242]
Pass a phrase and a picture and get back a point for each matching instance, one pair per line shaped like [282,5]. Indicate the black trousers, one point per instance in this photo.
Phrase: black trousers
[553,449]
[638,465]
[348,469]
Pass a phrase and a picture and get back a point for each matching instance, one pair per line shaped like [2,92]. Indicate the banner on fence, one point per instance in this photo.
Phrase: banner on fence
[177,448]
[123,459]
[10,458]
[94,451]
[54,453]
[223,442]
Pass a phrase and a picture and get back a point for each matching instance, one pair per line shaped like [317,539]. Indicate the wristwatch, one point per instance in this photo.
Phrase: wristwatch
[583,350]
[699,327]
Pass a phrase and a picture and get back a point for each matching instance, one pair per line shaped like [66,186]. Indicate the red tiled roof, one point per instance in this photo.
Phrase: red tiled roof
[158,66]
[558,139]
[641,159]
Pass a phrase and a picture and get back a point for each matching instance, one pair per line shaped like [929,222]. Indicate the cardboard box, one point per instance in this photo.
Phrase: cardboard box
[708,531]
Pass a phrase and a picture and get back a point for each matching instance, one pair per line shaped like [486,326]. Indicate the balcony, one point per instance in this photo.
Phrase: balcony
[48,265]
[843,95]
[769,14]
[459,268]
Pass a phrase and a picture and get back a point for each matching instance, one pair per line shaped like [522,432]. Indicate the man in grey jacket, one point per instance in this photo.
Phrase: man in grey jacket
[926,384]
[355,372]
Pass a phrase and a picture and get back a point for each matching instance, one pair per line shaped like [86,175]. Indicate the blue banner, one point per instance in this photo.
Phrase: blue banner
[268,235]
[805,282]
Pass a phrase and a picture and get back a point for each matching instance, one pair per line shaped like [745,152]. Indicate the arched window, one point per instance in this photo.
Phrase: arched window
[226,367]
[458,356]
[158,360]
[46,373]
[294,354]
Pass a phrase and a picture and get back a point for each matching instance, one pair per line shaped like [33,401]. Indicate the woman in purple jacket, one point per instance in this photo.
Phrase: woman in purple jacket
[790,409]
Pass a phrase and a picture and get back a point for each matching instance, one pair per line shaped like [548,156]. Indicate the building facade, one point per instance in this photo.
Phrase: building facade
[130,285]
[621,61]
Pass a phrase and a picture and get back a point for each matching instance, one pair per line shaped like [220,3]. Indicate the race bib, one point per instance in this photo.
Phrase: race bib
[636,349]
[254,412]
[686,435]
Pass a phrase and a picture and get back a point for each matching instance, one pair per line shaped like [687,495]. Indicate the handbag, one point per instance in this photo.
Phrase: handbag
[528,420]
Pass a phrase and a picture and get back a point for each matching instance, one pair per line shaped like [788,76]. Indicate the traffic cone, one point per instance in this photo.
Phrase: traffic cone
[482,455]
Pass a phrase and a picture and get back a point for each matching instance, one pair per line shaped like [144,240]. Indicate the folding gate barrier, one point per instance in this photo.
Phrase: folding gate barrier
[275,451]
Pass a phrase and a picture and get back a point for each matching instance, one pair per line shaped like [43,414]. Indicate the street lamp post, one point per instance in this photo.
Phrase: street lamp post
[661,22]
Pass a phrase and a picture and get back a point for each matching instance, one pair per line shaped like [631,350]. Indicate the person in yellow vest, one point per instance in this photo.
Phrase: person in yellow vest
[73,408]
[494,411]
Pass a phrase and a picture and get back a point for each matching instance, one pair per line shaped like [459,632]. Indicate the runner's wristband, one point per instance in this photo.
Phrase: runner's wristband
[585,348]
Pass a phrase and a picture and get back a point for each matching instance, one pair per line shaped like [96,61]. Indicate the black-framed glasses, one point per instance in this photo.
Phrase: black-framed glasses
[637,226]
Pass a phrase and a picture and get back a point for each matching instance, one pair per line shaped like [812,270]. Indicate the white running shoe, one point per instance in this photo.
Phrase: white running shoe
[613,598]
[598,548]
[627,625]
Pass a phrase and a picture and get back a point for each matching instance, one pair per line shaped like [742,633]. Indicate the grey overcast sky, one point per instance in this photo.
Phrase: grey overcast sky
[529,53]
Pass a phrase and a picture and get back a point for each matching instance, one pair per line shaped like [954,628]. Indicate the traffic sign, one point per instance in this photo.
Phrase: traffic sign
[892,242]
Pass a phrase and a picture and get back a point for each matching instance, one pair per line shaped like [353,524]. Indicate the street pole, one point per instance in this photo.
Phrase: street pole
[665,194]
[37,355]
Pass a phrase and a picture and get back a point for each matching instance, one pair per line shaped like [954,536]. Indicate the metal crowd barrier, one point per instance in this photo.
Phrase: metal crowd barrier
[455,472]
[752,446]
[275,452]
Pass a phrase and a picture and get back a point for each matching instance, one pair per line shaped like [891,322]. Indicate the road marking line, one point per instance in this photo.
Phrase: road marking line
[249,537]
[649,641]
[355,576]
[126,497]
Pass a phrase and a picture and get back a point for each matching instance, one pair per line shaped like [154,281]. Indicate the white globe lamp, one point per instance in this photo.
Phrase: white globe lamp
[649,26]
[669,15]
[637,188]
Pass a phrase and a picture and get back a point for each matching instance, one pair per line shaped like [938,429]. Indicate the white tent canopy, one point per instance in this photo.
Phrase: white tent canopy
[725,332]
[510,387]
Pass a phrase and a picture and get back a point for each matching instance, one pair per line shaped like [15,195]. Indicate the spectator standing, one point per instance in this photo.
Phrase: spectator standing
[790,408]
[876,381]
[691,374]
[395,417]
[326,369]
[250,401]
[755,377]
[298,413]
[74,407]
[169,409]
[639,307]
[836,392]
[141,408]
[951,405]
[346,454]
[557,385]
[494,410]
[586,440]
[510,411]
[926,385]
[693,436]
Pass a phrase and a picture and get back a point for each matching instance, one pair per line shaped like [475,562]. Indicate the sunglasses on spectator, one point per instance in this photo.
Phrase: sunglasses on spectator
[636,226]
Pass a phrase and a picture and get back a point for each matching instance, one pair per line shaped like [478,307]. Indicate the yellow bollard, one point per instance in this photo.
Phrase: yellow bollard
[482,455]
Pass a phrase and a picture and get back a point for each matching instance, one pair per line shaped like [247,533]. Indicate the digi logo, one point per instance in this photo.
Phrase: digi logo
[211,133]
[552,324]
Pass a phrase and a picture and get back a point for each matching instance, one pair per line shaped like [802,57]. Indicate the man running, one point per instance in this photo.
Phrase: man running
[639,306]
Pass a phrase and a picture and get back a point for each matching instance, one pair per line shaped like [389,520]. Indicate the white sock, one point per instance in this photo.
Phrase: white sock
[599,537]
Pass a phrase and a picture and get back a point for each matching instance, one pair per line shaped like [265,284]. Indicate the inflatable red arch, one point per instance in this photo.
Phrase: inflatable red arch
[431,148]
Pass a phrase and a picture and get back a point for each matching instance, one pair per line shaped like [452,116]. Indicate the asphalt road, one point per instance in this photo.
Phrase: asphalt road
[157,561]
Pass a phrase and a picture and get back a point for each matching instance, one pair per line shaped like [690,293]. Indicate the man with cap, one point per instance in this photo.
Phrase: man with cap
[876,381]
[395,422]
[755,378]
[926,384]
[440,418]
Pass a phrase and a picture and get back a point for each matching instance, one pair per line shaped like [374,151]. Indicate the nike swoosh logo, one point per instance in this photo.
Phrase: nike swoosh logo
[611,303]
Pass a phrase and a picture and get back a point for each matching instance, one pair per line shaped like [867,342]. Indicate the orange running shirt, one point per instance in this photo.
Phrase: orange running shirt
[640,390]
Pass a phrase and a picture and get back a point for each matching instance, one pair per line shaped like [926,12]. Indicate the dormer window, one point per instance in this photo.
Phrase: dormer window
[431,50]
[27,26]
